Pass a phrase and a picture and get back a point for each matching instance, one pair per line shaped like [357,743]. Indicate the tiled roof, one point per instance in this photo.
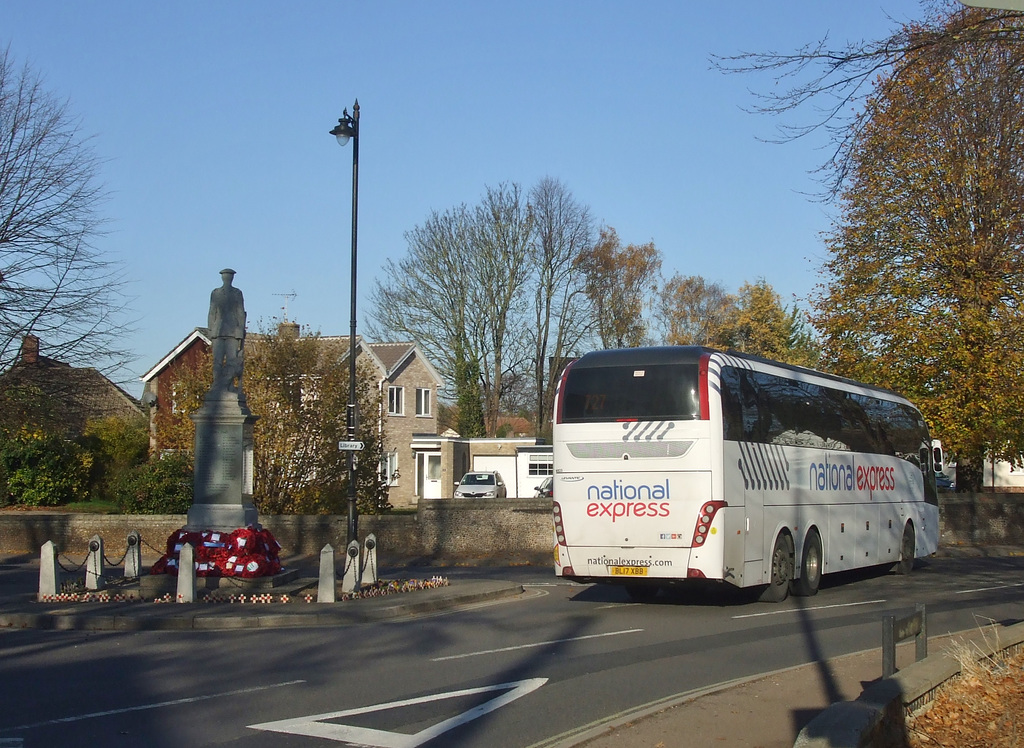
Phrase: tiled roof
[75,395]
[391,354]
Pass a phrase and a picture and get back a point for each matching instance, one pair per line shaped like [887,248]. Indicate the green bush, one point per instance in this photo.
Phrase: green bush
[117,445]
[161,486]
[42,469]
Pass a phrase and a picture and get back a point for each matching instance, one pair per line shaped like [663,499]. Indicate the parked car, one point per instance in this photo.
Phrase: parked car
[481,485]
[545,490]
[944,483]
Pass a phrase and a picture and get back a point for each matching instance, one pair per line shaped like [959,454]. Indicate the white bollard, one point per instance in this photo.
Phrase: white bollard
[368,575]
[327,591]
[133,556]
[49,571]
[350,581]
[186,574]
[94,564]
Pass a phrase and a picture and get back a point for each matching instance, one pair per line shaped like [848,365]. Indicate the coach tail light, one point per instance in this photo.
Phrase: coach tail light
[707,516]
[556,512]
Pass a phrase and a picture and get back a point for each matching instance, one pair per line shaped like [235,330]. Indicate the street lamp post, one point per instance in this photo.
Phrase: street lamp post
[348,129]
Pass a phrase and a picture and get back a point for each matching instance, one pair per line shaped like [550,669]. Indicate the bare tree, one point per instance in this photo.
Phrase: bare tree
[830,84]
[459,291]
[54,284]
[563,230]
[502,232]
[425,295]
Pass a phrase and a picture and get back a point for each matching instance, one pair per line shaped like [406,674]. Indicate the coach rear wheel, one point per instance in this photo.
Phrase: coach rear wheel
[782,570]
[908,548]
[810,567]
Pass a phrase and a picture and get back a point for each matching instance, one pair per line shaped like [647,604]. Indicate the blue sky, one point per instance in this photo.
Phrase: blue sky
[212,119]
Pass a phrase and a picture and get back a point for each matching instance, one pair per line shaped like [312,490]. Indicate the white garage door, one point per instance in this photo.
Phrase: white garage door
[504,465]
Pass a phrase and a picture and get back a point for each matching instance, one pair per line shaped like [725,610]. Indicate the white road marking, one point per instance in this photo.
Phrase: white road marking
[315,726]
[988,589]
[549,584]
[143,707]
[533,645]
[799,610]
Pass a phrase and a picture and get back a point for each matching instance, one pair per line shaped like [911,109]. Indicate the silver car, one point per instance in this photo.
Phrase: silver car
[481,485]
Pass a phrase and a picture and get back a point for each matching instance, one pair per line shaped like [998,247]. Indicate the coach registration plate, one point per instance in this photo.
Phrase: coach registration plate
[629,571]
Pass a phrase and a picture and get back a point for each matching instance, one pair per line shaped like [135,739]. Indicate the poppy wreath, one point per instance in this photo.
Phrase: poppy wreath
[246,552]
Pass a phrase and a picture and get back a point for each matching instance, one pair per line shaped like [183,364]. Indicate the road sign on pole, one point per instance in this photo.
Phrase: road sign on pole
[351,446]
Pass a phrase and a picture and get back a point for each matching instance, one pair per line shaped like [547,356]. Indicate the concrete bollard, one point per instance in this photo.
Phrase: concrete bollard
[326,591]
[350,581]
[368,574]
[49,571]
[133,556]
[186,574]
[94,564]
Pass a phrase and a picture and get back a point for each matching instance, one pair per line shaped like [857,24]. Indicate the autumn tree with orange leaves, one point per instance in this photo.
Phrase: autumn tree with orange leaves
[924,283]
[620,283]
[693,311]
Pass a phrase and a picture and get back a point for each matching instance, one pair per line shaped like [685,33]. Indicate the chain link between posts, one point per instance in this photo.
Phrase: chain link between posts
[75,568]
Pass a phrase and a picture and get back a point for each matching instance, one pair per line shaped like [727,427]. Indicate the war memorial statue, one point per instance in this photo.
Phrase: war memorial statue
[226,322]
[222,497]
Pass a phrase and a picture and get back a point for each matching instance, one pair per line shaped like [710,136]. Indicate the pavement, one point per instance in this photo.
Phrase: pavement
[763,711]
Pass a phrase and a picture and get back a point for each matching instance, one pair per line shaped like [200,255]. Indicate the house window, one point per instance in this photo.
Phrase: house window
[395,401]
[422,402]
[389,468]
[541,465]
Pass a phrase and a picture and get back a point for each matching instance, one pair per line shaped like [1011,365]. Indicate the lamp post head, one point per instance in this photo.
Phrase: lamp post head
[348,126]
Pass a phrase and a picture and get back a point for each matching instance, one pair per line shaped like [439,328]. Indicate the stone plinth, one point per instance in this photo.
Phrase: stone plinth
[155,585]
[222,499]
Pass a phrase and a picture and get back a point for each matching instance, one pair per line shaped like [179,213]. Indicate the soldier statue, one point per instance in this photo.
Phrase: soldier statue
[227,329]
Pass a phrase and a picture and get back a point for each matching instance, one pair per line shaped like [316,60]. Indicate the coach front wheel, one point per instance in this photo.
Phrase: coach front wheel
[810,567]
[782,570]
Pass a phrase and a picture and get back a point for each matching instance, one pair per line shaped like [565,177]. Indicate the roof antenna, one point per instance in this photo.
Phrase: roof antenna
[287,297]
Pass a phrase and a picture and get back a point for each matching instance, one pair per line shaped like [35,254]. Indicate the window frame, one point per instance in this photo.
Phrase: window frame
[424,403]
[396,400]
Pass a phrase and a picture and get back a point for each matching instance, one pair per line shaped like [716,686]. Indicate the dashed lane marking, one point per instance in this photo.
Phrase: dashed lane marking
[533,645]
[142,707]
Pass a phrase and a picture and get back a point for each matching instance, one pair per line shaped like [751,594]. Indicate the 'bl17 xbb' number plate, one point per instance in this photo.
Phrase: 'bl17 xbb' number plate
[629,571]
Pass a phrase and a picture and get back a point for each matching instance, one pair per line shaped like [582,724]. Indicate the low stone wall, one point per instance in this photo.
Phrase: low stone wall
[449,530]
[878,717]
[981,519]
[516,531]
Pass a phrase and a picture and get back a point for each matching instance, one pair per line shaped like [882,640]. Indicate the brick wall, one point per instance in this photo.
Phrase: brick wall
[400,429]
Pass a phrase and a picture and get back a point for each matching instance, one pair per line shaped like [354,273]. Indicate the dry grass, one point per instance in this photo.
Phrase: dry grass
[982,708]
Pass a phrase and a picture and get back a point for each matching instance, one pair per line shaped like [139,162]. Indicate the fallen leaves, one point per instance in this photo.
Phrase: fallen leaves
[980,710]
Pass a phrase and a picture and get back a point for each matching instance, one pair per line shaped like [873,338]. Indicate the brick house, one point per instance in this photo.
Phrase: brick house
[408,382]
[64,396]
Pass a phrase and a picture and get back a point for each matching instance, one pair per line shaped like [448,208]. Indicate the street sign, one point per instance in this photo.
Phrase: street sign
[350,446]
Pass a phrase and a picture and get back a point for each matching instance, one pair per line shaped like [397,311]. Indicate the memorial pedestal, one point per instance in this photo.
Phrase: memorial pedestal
[222,491]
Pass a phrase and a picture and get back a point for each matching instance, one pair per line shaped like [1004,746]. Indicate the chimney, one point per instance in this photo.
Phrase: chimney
[30,349]
[288,330]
